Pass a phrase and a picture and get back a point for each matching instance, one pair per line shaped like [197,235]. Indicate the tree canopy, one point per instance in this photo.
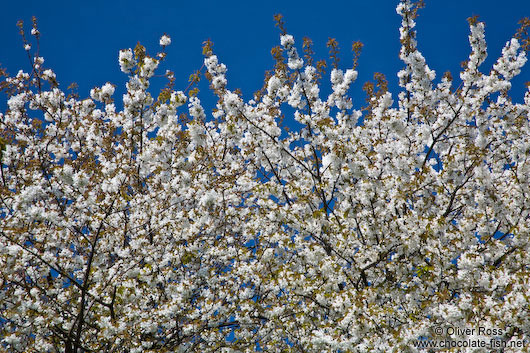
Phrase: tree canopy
[162,227]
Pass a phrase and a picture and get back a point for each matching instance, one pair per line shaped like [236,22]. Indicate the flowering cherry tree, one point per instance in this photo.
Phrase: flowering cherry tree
[161,227]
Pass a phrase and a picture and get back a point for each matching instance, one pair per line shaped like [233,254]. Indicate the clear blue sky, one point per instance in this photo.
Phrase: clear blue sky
[81,40]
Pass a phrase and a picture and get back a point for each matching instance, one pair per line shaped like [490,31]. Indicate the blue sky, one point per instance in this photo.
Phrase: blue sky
[81,40]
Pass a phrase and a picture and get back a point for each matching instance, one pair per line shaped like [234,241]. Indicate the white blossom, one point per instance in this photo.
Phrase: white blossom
[126,60]
[165,40]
